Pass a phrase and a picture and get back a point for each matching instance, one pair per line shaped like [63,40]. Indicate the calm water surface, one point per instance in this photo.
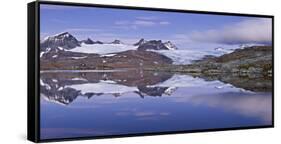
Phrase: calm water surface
[94,103]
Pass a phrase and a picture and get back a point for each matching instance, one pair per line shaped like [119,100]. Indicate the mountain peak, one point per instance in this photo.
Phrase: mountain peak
[64,40]
[116,42]
[155,45]
[63,34]
[140,42]
[88,41]
[170,45]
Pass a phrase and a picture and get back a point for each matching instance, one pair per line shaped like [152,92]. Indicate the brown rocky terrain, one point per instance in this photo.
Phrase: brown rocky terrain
[78,61]
[256,60]
[253,61]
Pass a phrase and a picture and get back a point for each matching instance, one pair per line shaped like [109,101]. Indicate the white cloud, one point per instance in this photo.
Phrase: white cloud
[147,18]
[144,23]
[248,31]
[164,23]
[83,30]
[123,22]
[147,21]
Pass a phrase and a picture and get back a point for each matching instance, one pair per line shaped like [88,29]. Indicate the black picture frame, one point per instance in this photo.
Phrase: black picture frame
[33,106]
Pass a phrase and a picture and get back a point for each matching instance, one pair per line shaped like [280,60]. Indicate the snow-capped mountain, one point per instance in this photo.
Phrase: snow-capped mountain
[66,44]
[170,45]
[88,41]
[116,42]
[64,40]
[140,42]
[53,47]
[155,45]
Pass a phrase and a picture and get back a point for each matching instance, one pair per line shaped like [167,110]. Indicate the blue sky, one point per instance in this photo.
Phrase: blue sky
[183,29]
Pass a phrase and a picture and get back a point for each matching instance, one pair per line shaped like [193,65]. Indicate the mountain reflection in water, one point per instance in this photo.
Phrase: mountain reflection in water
[65,87]
[141,98]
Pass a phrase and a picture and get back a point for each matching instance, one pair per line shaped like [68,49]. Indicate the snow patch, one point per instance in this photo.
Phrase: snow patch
[41,54]
[60,48]
[44,52]
[103,87]
[107,55]
[103,48]
[170,46]
[108,81]
[170,90]
[79,57]
[48,87]
[79,79]
[60,88]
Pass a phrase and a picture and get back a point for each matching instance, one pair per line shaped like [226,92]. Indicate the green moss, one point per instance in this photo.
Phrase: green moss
[245,66]
[267,67]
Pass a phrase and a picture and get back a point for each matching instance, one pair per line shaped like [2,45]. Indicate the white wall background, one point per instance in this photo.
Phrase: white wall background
[13,80]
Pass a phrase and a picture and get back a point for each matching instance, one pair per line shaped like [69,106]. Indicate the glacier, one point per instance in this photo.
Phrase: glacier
[103,49]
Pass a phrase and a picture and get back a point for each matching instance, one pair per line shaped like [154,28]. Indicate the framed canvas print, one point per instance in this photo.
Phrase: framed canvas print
[102,71]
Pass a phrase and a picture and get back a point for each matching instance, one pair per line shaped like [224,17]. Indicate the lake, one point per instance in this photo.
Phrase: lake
[100,103]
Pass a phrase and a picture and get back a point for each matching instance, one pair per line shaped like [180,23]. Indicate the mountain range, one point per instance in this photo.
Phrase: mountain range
[66,41]
[64,51]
